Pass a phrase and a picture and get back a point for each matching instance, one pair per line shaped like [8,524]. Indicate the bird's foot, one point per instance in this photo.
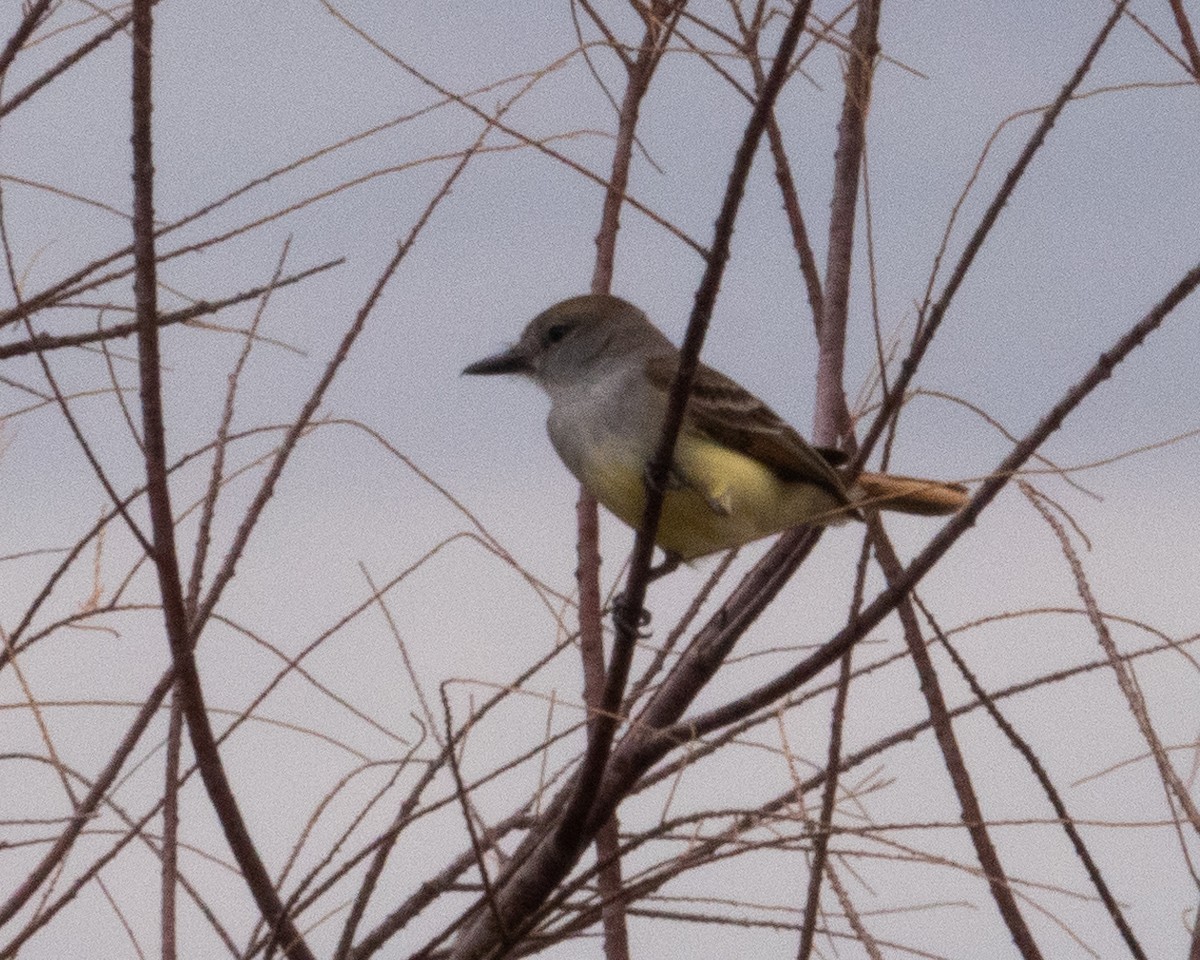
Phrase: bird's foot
[638,621]
[669,564]
[625,618]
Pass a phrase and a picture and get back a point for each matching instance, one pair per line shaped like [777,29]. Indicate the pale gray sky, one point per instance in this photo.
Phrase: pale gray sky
[1103,224]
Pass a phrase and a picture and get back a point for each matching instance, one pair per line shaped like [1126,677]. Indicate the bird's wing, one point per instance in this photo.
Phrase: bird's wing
[732,415]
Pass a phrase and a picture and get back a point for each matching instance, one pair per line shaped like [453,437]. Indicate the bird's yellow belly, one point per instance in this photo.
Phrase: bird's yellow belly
[730,499]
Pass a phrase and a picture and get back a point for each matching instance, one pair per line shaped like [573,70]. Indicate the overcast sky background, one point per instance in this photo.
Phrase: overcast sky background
[1103,225]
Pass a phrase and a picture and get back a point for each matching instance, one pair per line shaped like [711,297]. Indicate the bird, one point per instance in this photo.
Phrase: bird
[739,472]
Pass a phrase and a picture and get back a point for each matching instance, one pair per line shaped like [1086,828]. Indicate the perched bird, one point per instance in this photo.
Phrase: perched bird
[739,471]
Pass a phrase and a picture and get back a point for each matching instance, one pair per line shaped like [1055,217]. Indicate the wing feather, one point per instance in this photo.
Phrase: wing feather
[729,413]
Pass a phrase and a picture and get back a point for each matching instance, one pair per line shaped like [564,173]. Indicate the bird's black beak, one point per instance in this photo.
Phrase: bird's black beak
[513,360]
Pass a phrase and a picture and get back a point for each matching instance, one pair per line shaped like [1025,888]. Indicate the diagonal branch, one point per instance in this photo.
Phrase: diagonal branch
[1188,38]
[932,322]
[956,766]
[887,601]
[42,342]
[74,57]
[1052,794]
[33,16]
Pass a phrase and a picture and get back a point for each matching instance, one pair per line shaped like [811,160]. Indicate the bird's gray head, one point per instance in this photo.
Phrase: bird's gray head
[573,337]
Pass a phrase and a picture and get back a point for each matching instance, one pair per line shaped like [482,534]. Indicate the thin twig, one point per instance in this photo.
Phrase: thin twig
[460,791]
[933,320]
[833,760]
[208,508]
[33,16]
[1126,678]
[886,602]
[1043,778]
[956,766]
[64,64]
[201,308]
[188,689]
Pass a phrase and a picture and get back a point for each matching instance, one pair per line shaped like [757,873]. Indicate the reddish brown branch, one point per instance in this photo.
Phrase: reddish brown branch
[170,838]
[43,342]
[18,98]
[833,761]
[164,555]
[639,73]
[527,887]
[1188,38]
[933,320]
[591,646]
[1043,778]
[812,904]
[33,16]
[831,418]
[787,183]
[956,766]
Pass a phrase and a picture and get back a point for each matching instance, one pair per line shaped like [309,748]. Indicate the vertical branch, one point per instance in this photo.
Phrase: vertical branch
[833,764]
[170,840]
[587,573]
[812,904]
[831,418]
[591,648]
[166,560]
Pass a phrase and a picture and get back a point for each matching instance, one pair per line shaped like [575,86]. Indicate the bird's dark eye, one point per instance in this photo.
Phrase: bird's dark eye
[557,332]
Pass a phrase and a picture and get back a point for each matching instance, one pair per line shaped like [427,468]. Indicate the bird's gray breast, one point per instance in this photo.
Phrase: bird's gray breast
[616,413]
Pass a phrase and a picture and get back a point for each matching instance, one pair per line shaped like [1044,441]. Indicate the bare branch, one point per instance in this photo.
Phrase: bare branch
[33,16]
[931,322]
[831,418]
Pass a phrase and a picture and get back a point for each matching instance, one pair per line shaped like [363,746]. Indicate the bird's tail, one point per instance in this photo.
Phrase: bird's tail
[928,498]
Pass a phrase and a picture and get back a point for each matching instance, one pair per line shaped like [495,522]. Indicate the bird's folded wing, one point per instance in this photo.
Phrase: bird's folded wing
[731,415]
